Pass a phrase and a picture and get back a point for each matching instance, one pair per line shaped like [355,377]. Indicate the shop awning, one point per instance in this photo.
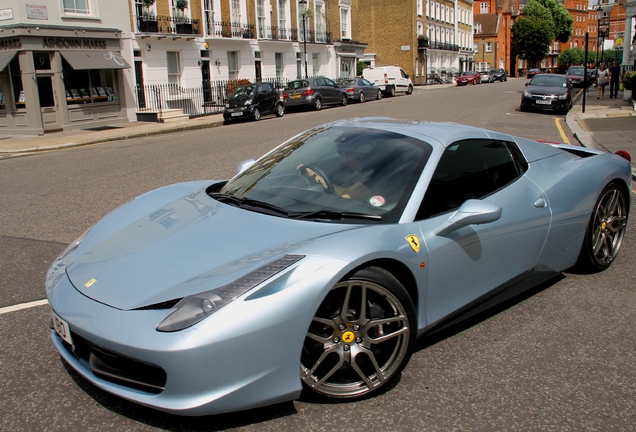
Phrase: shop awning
[95,59]
[5,58]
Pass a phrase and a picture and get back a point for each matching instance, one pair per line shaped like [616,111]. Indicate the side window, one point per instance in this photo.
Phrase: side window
[471,169]
[320,82]
[330,82]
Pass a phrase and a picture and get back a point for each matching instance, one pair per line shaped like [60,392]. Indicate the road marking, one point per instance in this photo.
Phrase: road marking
[563,136]
[18,307]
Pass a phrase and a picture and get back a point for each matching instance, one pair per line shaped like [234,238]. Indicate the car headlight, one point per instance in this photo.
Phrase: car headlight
[195,308]
[227,105]
[526,93]
[248,102]
[562,96]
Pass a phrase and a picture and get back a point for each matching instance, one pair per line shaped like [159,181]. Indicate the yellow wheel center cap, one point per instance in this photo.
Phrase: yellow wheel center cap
[604,225]
[348,337]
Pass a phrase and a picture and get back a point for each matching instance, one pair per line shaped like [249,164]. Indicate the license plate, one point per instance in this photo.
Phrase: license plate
[237,114]
[543,102]
[62,328]
[296,96]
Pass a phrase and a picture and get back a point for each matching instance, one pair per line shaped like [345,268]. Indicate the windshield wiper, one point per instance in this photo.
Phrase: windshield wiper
[243,202]
[335,215]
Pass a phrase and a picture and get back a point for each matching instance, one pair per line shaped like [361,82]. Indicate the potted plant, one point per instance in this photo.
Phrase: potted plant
[628,83]
[148,3]
[181,4]
[422,41]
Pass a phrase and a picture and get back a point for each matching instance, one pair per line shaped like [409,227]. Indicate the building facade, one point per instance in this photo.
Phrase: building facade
[64,66]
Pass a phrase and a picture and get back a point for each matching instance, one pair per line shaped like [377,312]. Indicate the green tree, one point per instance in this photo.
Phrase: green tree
[562,20]
[572,56]
[535,9]
[531,38]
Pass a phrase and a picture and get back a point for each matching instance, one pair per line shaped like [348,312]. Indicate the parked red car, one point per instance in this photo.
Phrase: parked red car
[469,77]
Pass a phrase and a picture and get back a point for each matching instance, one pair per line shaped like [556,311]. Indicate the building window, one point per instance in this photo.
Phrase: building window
[320,22]
[488,46]
[279,66]
[315,63]
[232,64]
[345,23]
[174,68]
[76,7]
[483,7]
[263,31]
[419,7]
[236,12]
[283,31]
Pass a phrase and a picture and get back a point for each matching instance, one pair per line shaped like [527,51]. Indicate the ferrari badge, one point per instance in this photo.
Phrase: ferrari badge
[414,242]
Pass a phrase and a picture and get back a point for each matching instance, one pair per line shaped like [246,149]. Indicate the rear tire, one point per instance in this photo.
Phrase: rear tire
[605,230]
[279,110]
[317,104]
[343,100]
[392,91]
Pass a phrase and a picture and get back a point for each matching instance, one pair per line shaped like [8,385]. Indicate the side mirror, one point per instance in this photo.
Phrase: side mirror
[245,165]
[526,84]
[472,212]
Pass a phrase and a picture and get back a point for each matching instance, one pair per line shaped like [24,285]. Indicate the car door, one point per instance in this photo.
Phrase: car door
[265,95]
[334,91]
[467,263]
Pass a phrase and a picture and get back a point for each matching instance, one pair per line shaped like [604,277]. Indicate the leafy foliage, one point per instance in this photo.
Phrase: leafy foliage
[561,19]
[531,39]
[148,3]
[181,4]
[234,84]
[572,56]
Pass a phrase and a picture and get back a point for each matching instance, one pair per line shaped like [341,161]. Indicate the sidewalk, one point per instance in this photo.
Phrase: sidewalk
[607,124]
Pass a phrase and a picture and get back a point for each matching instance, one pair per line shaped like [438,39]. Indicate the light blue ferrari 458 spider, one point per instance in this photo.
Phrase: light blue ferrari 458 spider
[318,265]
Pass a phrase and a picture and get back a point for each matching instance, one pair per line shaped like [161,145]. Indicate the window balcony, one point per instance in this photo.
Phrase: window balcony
[167,25]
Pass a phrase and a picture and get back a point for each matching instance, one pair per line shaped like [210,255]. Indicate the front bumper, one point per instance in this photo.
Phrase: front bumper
[540,103]
[237,113]
[244,356]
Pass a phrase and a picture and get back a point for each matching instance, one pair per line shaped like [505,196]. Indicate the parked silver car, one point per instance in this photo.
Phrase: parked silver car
[315,92]
[360,89]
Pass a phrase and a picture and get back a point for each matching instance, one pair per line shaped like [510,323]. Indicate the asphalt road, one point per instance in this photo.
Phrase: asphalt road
[559,358]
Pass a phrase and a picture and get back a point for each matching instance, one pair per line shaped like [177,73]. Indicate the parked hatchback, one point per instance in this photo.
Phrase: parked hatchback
[577,76]
[314,92]
[499,75]
[547,92]
[252,101]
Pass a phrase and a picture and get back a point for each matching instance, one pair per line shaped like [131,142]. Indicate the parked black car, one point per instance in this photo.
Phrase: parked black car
[315,92]
[252,101]
[547,92]
[499,75]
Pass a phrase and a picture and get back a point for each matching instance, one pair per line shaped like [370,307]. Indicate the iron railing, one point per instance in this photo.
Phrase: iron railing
[167,24]
[209,98]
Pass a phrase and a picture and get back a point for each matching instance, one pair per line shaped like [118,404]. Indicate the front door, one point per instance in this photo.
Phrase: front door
[205,81]
[139,84]
[48,103]
[259,73]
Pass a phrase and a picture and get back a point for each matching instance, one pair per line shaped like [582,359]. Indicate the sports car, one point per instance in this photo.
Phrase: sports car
[318,265]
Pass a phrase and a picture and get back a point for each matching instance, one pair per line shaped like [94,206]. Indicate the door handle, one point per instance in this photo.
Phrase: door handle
[540,203]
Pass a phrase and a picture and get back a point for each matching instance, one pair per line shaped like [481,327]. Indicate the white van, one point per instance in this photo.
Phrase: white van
[390,79]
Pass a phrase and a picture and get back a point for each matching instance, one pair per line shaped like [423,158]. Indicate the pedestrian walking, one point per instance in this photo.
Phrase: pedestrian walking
[601,82]
[615,79]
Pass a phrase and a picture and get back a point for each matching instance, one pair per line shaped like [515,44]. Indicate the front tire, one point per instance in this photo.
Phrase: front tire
[361,337]
[605,230]
[361,97]
[256,115]
[410,90]
[379,95]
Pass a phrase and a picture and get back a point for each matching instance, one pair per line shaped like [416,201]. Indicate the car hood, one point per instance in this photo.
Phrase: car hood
[235,101]
[542,90]
[182,247]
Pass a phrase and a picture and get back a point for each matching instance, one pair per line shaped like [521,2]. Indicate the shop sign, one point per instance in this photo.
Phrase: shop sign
[72,43]
[6,14]
[36,12]
[10,44]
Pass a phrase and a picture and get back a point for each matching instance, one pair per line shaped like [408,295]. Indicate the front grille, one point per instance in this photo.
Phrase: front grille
[118,369]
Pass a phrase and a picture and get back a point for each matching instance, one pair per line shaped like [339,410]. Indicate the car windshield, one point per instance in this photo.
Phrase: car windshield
[244,90]
[382,168]
[575,71]
[548,81]
[292,85]
[469,73]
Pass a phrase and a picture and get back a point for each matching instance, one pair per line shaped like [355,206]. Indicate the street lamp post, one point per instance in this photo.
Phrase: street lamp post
[302,5]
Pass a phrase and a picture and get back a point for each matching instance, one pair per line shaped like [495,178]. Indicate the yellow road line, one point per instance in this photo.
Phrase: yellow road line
[561,132]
